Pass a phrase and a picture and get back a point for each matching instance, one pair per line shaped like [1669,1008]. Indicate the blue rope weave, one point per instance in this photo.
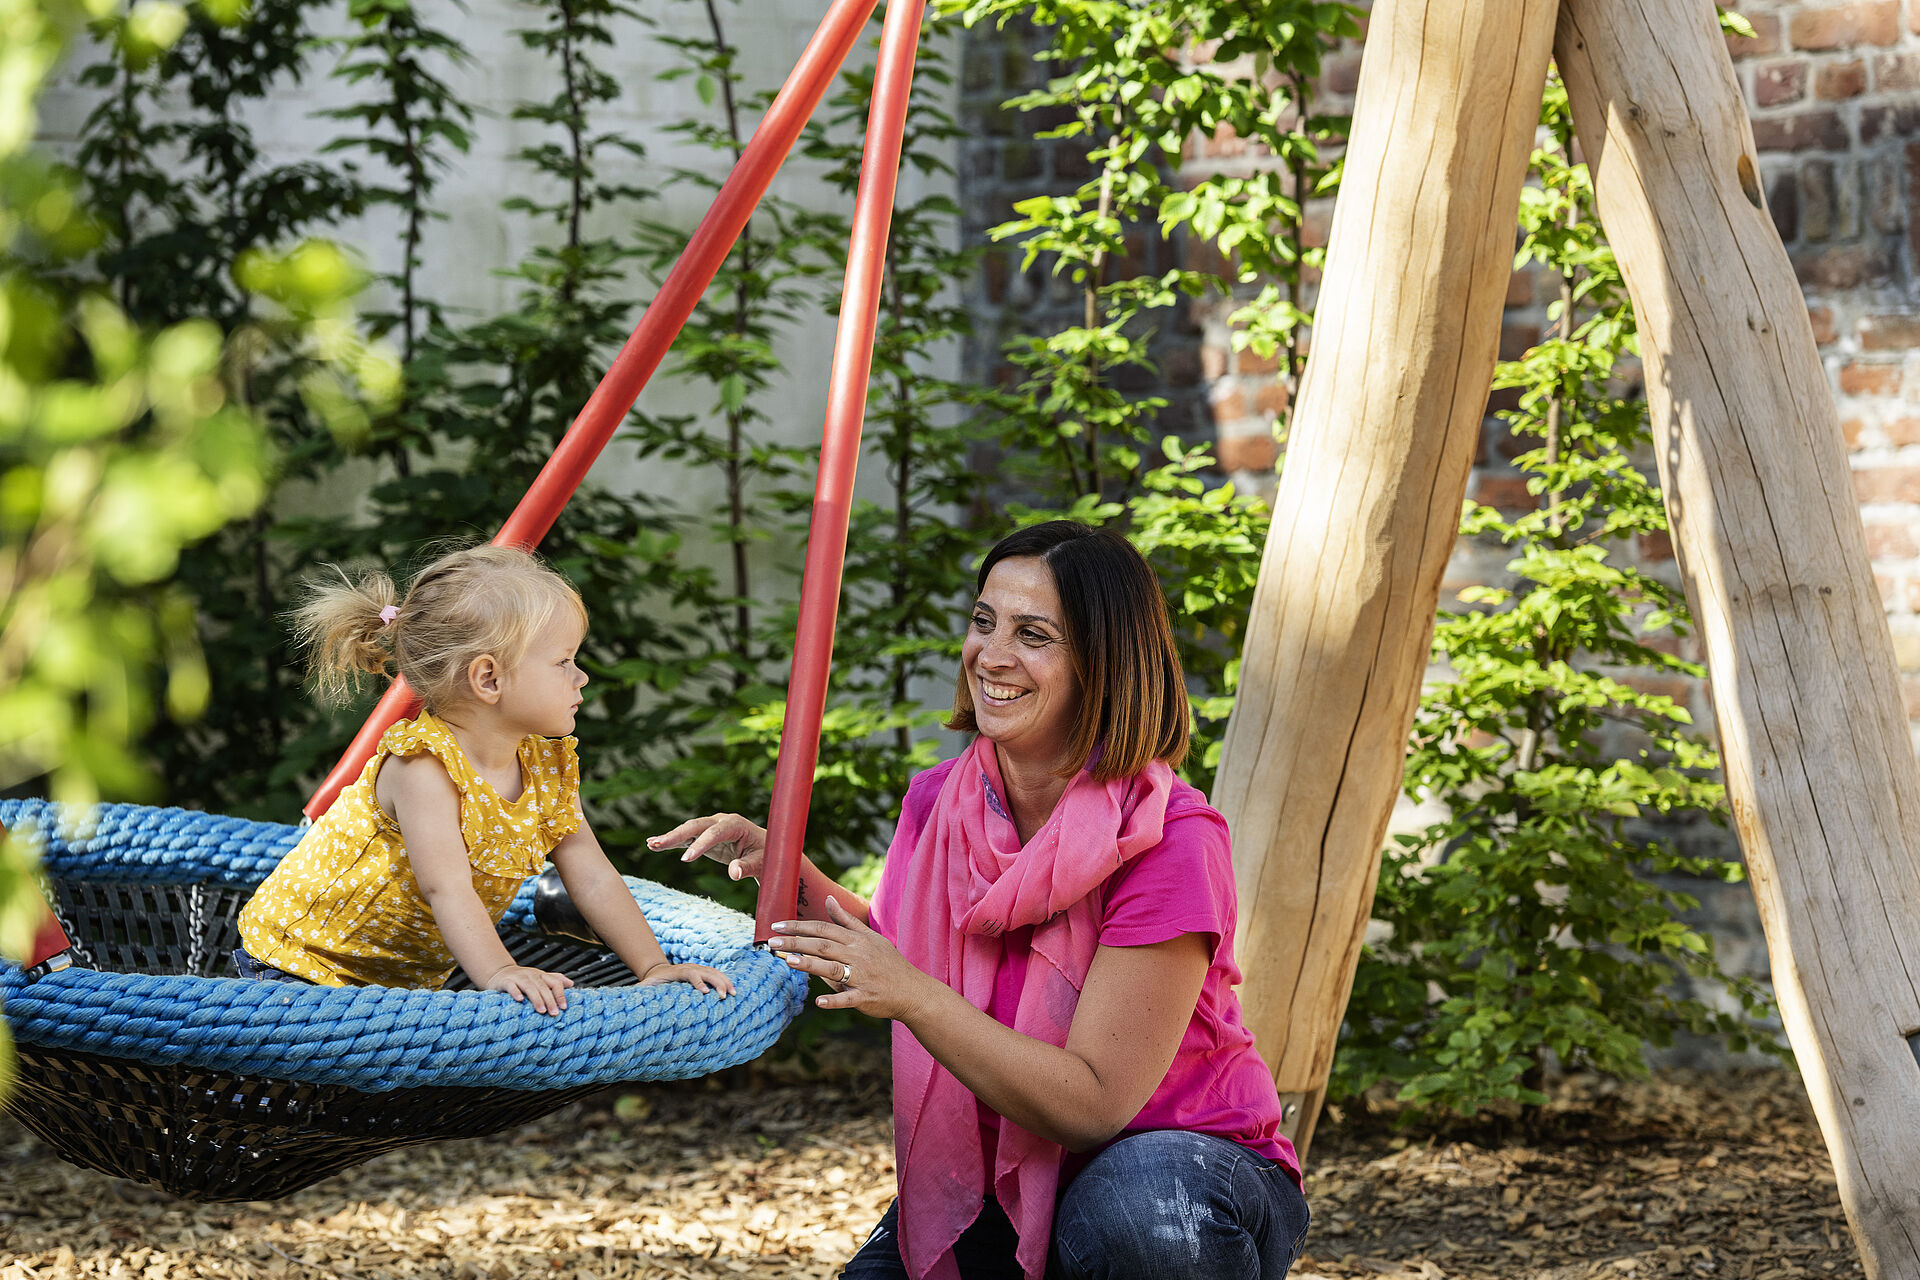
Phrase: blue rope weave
[378,1038]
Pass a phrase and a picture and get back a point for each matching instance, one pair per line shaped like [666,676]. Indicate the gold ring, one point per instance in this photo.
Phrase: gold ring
[846,973]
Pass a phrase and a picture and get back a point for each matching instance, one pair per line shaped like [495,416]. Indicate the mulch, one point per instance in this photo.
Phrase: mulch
[760,1173]
[1688,1174]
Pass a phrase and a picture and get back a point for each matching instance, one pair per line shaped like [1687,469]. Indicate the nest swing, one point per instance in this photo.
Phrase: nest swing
[146,1059]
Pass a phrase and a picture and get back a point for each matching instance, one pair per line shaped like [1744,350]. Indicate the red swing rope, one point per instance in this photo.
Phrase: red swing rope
[658,327]
[839,454]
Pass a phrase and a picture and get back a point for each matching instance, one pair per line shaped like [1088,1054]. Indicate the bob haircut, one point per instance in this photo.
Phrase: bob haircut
[1133,707]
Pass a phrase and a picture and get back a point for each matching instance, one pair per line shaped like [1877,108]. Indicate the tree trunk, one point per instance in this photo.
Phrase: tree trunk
[1388,421]
[1819,761]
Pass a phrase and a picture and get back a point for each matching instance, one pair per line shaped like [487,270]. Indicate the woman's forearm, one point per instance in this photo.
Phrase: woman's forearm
[816,886]
[1048,1091]
[1128,1021]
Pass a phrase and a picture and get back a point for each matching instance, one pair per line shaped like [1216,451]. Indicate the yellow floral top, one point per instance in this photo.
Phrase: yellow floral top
[343,909]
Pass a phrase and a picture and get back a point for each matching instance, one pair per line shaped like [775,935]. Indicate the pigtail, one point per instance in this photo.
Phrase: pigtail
[345,630]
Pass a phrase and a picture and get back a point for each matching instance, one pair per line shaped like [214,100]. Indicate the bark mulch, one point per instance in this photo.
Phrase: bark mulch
[759,1174]
[1721,1175]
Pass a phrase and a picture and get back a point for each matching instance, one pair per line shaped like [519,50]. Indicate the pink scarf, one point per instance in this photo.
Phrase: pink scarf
[969,883]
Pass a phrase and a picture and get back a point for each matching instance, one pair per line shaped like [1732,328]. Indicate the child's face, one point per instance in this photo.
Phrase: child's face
[541,693]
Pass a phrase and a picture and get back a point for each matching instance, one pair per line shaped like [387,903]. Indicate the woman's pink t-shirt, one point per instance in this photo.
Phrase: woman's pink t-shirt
[1217,1083]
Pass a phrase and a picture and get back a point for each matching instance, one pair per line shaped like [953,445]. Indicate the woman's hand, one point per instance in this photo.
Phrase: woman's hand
[724,837]
[697,976]
[547,991]
[869,974]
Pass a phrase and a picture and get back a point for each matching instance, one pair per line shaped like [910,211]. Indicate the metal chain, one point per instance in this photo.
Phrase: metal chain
[65,921]
[197,912]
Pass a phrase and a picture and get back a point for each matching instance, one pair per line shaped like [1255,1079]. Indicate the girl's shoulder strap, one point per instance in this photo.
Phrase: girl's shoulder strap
[494,844]
[426,733]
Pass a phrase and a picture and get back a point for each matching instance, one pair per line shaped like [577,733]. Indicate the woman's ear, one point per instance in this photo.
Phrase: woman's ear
[483,679]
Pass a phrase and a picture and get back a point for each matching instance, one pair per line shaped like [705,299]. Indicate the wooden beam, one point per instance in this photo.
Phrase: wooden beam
[1388,421]
[1819,758]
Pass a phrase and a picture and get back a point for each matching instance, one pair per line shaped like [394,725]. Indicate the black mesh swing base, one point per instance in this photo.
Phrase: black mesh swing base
[207,1135]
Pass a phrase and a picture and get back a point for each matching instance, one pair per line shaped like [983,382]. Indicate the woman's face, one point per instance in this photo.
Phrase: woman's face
[1017,662]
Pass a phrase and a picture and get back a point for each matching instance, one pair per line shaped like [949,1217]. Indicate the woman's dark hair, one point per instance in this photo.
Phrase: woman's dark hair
[1133,696]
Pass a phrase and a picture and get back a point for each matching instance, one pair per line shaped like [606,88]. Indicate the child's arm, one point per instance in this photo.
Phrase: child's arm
[603,898]
[427,807]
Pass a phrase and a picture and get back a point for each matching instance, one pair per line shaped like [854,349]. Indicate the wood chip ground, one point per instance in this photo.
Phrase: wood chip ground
[757,1174]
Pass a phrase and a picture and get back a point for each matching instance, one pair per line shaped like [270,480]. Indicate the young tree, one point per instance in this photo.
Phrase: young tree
[501,392]
[908,572]
[1539,918]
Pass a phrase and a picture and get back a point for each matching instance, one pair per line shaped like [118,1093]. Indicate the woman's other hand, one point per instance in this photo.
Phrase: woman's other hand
[724,837]
[698,976]
[546,991]
[869,974]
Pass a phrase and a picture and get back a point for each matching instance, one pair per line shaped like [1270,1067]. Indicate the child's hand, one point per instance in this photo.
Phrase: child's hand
[697,976]
[547,991]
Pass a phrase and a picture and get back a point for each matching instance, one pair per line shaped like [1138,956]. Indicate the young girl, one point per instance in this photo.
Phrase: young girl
[410,870]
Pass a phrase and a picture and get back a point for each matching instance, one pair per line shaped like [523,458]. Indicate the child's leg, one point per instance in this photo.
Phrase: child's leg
[245,966]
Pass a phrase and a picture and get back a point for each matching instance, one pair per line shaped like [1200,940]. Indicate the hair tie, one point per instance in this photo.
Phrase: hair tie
[388,614]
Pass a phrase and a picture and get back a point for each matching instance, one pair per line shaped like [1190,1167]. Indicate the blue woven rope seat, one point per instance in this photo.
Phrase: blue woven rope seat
[148,1061]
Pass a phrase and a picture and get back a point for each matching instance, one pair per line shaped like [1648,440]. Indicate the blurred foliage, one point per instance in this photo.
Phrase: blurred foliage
[121,444]
[191,199]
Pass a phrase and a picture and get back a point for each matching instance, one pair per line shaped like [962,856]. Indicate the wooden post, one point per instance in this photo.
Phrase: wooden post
[1819,762]
[1388,420]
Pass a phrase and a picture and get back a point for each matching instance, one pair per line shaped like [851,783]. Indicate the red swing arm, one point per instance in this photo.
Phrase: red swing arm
[839,454]
[709,245]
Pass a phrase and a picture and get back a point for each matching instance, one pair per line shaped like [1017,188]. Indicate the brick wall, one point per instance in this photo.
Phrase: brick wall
[1835,96]
[1209,399]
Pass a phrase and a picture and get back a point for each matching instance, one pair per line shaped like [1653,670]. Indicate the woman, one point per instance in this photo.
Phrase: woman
[1052,937]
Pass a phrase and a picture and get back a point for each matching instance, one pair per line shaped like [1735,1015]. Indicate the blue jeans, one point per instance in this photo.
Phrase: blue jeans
[1156,1206]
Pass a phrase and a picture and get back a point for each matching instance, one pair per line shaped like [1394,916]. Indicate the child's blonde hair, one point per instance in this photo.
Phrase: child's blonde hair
[483,600]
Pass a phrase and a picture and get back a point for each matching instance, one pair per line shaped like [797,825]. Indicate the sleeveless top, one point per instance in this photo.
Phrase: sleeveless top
[343,908]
